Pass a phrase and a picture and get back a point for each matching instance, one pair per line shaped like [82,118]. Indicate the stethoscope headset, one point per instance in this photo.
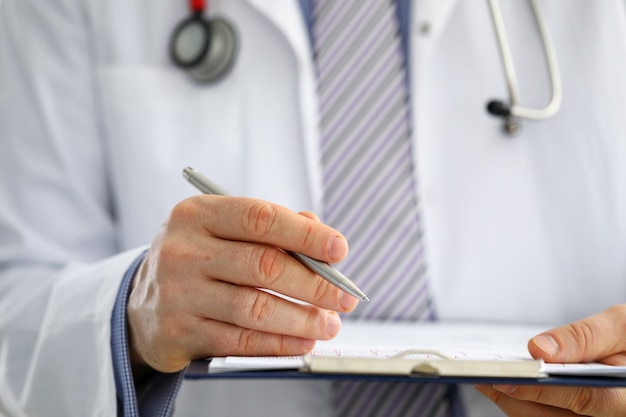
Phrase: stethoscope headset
[205,48]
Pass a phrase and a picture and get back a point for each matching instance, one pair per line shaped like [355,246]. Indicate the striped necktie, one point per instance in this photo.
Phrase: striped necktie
[369,187]
[366,155]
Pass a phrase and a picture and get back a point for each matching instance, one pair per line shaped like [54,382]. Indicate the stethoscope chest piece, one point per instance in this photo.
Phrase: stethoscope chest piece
[206,48]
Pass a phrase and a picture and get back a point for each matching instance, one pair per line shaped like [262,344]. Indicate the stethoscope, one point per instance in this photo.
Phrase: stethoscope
[206,48]
[511,111]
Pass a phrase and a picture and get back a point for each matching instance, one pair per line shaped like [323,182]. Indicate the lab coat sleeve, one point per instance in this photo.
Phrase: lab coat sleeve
[60,270]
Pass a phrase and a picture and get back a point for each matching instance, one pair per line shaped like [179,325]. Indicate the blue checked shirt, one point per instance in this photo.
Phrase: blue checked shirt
[156,394]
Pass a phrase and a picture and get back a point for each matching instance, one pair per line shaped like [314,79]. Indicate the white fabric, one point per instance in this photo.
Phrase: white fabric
[96,125]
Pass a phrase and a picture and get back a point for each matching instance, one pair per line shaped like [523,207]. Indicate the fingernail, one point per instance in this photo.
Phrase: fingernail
[333,324]
[347,301]
[337,248]
[505,388]
[547,344]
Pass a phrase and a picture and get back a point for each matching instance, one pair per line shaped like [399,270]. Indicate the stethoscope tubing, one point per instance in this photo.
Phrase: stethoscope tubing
[509,68]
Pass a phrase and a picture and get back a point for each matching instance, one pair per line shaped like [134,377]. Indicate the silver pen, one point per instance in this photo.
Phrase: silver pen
[322,269]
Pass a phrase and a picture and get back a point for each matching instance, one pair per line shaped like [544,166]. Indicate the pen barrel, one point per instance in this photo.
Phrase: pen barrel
[330,274]
[202,183]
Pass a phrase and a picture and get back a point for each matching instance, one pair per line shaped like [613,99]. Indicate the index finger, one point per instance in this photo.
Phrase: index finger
[594,338]
[258,221]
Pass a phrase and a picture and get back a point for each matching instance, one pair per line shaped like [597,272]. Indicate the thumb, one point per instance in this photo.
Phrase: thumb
[601,337]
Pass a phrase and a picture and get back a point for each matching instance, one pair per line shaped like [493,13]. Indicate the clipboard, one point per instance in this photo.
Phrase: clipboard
[426,352]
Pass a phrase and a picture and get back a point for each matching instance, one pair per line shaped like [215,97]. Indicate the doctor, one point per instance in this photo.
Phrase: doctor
[96,123]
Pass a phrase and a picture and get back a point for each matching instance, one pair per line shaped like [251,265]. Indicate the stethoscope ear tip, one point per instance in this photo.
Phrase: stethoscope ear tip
[498,108]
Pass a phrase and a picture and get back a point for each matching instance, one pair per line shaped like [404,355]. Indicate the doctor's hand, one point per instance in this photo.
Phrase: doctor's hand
[599,338]
[197,293]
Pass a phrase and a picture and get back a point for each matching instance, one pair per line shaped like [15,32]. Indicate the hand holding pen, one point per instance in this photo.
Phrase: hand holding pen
[196,293]
[323,269]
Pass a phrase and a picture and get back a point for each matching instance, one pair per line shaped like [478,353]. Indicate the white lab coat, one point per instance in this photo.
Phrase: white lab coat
[96,125]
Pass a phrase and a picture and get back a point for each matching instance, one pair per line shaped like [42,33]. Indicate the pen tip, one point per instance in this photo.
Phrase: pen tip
[187,171]
[366,299]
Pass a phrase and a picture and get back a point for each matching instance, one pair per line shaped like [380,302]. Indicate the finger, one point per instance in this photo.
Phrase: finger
[593,338]
[580,400]
[178,335]
[258,310]
[201,338]
[234,340]
[514,407]
[246,219]
[262,266]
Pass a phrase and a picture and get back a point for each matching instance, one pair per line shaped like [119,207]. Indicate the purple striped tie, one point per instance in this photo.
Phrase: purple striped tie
[366,154]
[369,187]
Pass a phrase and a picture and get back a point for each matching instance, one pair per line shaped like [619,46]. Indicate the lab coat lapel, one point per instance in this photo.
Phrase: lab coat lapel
[433,12]
[287,16]
[429,20]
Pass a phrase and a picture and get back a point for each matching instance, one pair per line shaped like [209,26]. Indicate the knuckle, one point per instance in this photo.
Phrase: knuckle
[172,249]
[185,210]
[493,395]
[261,308]
[282,346]
[268,266]
[308,235]
[254,342]
[313,321]
[323,289]
[583,334]
[582,402]
[248,341]
[260,218]
[174,256]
